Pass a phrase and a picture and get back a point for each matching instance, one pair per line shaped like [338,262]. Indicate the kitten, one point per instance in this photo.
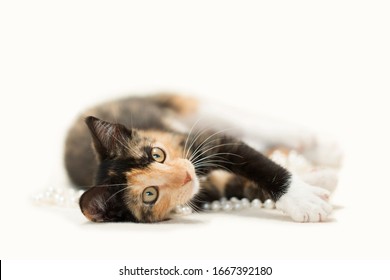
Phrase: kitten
[145,160]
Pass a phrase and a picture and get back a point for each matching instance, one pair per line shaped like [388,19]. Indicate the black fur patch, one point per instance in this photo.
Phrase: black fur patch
[225,152]
[105,204]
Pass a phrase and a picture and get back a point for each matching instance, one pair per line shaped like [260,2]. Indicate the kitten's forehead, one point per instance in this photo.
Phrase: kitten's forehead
[154,175]
[135,148]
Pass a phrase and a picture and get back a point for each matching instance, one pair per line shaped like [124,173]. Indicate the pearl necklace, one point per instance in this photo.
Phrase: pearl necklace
[227,205]
[68,197]
[64,197]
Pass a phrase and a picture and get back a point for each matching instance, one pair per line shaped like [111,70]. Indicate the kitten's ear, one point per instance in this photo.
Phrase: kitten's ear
[109,139]
[93,203]
[103,204]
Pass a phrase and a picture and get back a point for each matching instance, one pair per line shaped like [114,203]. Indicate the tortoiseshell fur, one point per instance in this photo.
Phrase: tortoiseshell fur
[109,155]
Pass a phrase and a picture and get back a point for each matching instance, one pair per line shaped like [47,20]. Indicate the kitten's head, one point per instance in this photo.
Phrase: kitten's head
[141,177]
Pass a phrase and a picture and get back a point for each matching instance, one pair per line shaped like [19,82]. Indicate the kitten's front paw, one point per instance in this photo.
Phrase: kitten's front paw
[305,203]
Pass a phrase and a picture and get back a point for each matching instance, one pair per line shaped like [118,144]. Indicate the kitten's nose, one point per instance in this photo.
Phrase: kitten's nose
[187,178]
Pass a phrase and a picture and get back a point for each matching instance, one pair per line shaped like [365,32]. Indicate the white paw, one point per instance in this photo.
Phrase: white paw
[326,178]
[305,203]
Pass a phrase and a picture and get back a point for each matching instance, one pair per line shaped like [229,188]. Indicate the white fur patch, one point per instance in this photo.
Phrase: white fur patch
[305,203]
[324,151]
[196,186]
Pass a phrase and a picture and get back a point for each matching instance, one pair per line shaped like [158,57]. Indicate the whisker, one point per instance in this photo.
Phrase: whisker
[85,188]
[120,142]
[116,193]
[194,207]
[191,205]
[216,155]
[206,145]
[213,165]
[200,173]
[215,147]
[222,162]
[111,185]
[188,137]
[212,135]
[196,137]
[109,129]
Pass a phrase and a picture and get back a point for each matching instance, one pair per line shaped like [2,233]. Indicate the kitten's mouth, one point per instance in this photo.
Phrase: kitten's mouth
[190,180]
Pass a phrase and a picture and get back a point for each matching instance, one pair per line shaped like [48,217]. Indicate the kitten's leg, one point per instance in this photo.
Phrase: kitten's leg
[223,184]
[220,183]
[301,201]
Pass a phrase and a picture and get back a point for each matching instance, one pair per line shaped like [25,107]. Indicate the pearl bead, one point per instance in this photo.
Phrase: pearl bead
[38,198]
[73,199]
[234,199]
[63,197]
[256,203]
[59,199]
[228,206]
[178,209]
[245,203]
[206,206]
[216,206]
[48,195]
[237,205]
[269,204]
[223,201]
[186,210]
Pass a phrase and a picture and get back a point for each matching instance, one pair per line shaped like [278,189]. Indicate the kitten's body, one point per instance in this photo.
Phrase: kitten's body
[193,146]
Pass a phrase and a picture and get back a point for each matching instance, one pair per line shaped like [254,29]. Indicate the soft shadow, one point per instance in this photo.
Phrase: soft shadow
[274,215]
[168,225]
[182,220]
[199,219]
[202,218]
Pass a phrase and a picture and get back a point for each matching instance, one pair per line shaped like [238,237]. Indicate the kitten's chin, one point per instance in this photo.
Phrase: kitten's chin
[195,186]
[190,189]
[194,182]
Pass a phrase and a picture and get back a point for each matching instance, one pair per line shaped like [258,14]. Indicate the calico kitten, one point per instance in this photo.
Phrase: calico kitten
[144,162]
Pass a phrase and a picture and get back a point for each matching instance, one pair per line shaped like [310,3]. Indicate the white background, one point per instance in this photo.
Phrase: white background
[324,65]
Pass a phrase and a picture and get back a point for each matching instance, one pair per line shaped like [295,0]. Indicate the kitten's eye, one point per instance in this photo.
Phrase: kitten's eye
[158,155]
[150,195]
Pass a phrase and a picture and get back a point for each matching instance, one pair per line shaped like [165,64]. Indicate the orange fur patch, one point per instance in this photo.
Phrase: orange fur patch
[219,179]
[162,209]
[171,180]
[185,105]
